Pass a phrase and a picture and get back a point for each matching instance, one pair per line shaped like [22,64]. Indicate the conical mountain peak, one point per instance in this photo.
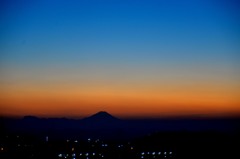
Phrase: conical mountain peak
[103,113]
[101,116]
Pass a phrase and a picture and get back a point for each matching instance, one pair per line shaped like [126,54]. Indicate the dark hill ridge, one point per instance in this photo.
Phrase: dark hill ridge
[103,124]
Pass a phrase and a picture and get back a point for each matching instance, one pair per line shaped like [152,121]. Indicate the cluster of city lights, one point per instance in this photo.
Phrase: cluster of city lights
[122,148]
[86,155]
[155,154]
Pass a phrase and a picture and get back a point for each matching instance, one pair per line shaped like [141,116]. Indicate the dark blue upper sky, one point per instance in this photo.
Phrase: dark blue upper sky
[165,31]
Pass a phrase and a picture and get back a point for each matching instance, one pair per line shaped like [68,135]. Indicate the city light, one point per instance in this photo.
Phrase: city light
[82,149]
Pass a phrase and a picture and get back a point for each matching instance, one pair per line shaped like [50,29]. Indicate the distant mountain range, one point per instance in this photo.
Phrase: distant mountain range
[104,125]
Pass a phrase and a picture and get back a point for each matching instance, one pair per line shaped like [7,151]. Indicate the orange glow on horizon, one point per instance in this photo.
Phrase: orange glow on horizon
[77,102]
[148,94]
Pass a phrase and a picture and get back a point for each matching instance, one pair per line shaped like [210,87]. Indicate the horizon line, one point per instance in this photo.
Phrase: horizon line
[126,117]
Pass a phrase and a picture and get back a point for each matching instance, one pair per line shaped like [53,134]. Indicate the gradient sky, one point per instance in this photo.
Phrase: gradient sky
[72,58]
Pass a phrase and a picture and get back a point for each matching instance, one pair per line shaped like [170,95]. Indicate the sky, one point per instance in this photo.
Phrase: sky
[138,58]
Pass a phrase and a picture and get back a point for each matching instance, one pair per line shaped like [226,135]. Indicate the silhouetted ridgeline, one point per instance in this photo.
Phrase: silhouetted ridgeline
[106,126]
[104,136]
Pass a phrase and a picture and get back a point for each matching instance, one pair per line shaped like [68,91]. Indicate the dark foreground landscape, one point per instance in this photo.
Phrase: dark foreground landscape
[103,136]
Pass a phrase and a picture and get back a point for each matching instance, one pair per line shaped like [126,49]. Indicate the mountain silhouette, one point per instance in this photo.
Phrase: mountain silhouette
[104,125]
[101,116]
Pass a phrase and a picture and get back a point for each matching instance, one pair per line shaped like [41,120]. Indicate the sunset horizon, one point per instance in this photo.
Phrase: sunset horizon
[130,58]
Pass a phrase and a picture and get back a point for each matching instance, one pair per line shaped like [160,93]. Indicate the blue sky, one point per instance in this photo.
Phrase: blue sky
[113,39]
[172,32]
